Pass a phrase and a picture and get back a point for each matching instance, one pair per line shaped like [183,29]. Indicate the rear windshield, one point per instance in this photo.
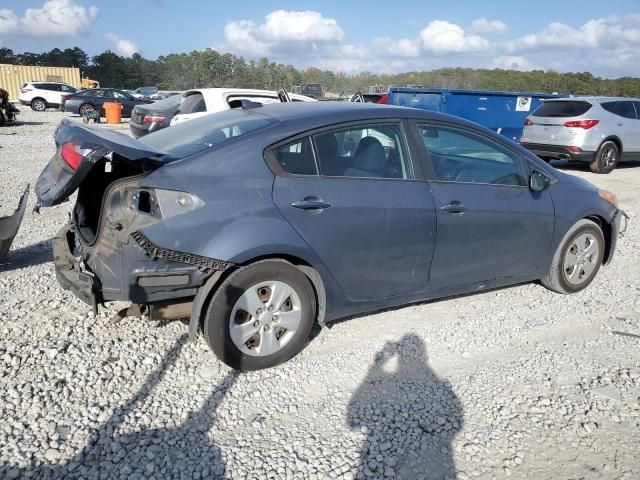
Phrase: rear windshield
[562,108]
[193,103]
[169,102]
[194,136]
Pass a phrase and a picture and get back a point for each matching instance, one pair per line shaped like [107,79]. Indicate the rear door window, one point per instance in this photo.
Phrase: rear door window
[462,156]
[622,108]
[562,108]
[193,103]
[297,157]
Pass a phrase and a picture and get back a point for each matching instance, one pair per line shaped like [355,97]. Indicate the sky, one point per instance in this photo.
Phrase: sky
[349,36]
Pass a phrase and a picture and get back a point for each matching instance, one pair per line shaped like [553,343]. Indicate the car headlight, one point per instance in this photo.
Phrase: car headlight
[609,197]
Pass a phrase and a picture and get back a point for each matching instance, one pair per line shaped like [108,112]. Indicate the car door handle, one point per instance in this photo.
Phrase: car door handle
[311,203]
[454,207]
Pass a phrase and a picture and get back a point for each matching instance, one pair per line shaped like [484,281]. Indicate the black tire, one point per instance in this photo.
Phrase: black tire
[86,108]
[607,158]
[217,317]
[556,279]
[38,104]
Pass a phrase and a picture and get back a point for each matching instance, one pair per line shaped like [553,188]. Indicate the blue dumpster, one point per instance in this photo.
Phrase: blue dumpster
[502,112]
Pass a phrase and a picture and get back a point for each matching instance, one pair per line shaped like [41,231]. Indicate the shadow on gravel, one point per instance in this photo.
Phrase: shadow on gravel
[29,256]
[584,166]
[408,414]
[186,451]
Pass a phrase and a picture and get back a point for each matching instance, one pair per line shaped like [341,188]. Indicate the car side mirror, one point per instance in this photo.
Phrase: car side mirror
[538,182]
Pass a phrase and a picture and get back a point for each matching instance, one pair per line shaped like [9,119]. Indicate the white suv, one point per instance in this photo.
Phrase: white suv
[42,95]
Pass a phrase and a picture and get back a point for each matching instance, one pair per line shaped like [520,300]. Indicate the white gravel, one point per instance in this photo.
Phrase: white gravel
[519,382]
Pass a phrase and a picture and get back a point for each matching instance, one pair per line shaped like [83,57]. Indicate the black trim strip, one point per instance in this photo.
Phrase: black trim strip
[154,251]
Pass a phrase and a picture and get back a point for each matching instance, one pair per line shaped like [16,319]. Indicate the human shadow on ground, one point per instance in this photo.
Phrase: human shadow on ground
[183,452]
[29,256]
[409,416]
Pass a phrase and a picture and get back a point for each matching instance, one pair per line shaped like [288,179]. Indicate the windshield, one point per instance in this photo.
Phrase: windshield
[147,90]
[169,102]
[188,138]
[562,108]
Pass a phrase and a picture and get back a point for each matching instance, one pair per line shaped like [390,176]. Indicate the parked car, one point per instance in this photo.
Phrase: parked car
[601,131]
[145,92]
[42,95]
[153,117]
[92,100]
[259,222]
[196,103]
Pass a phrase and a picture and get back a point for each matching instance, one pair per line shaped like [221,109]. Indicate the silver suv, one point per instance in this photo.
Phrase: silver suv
[598,130]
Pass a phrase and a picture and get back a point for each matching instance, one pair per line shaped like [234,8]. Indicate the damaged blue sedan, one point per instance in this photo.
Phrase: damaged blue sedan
[258,222]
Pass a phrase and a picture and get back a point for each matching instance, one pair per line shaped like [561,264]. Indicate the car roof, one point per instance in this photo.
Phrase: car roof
[591,99]
[316,114]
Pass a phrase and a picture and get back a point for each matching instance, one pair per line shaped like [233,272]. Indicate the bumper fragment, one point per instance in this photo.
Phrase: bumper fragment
[617,230]
[10,225]
[154,251]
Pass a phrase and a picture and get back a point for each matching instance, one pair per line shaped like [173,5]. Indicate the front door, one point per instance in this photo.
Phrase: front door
[351,196]
[490,225]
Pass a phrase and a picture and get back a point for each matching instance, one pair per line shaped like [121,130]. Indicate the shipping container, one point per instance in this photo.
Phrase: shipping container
[12,77]
[502,112]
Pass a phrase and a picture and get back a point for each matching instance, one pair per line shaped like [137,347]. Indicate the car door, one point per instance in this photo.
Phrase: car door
[624,123]
[351,194]
[490,224]
[50,92]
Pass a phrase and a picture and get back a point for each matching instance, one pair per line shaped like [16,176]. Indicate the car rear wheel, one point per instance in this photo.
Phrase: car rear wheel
[86,108]
[607,158]
[39,104]
[577,260]
[261,315]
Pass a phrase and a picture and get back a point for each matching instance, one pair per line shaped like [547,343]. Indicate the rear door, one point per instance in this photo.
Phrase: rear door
[625,124]
[549,119]
[490,225]
[351,194]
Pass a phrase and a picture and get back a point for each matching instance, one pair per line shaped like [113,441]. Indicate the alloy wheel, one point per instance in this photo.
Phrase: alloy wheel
[265,318]
[38,105]
[581,259]
[608,157]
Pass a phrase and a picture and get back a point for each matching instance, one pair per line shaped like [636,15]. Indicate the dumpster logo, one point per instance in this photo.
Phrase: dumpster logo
[523,104]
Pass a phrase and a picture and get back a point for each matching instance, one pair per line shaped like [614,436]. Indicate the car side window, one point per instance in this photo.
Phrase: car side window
[623,109]
[68,89]
[193,103]
[465,157]
[297,157]
[368,151]
[119,96]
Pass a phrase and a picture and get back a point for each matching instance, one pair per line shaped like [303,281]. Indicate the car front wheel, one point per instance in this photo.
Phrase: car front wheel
[261,315]
[577,260]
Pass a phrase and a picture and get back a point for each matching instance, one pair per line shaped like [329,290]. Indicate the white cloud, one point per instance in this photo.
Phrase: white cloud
[483,26]
[124,47]
[405,47]
[442,37]
[56,18]
[513,62]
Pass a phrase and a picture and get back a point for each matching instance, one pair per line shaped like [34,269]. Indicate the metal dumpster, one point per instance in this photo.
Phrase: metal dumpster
[503,112]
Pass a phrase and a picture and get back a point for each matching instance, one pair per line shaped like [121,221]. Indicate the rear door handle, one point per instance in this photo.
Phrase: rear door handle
[454,207]
[311,203]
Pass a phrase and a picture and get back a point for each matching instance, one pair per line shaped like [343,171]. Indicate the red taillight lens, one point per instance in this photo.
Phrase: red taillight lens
[574,148]
[586,124]
[528,122]
[25,90]
[153,119]
[72,154]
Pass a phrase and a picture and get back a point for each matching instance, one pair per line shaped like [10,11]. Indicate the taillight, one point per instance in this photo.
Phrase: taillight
[25,90]
[153,119]
[528,122]
[73,154]
[586,124]
[573,148]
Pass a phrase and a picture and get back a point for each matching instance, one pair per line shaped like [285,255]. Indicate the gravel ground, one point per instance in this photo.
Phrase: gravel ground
[518,382]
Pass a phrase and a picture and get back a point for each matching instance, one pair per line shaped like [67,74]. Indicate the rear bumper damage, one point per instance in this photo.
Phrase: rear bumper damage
[10,225]
[138,271]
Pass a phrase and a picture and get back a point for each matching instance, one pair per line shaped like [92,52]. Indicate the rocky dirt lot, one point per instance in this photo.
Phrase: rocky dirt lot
[518,382]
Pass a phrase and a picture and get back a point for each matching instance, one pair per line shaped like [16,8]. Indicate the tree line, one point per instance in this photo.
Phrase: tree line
[209,68]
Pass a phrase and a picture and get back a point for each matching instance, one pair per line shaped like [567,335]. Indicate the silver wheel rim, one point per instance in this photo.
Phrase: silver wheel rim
[38,105]
[608,157]
[581,259]
[265,318]
[87,109]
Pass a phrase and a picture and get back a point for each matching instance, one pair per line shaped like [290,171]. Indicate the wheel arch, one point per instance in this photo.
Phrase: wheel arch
[615,139]
[607,231]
